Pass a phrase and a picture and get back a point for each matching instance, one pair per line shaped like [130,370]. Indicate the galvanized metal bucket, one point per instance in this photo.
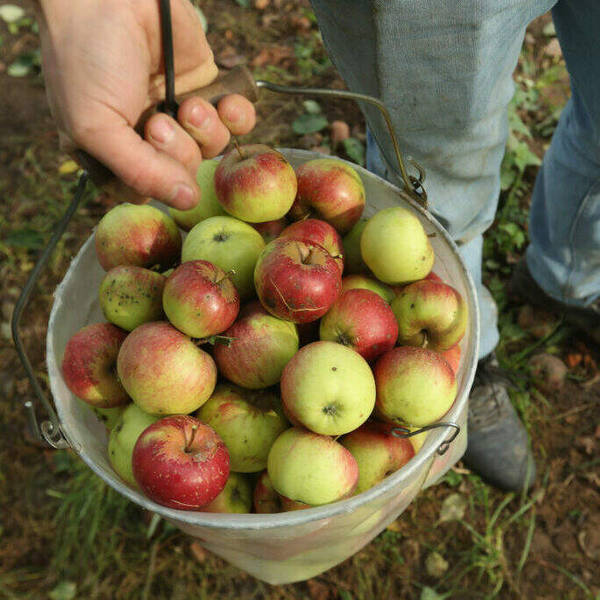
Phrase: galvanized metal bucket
[285,547]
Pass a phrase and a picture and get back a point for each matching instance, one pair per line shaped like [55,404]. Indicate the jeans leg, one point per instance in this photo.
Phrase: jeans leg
[564,222]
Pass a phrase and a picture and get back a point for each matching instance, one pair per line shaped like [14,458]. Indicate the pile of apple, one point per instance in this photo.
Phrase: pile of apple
[263,363]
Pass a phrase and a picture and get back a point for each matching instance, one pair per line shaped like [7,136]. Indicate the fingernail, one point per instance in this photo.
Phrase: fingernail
[199,118]
[162,131]
[183,197]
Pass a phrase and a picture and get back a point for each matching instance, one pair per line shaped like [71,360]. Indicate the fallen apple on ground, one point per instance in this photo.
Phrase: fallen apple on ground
[140,235]
[255,183]
[296,281]
[163,371]
[311,468]
[130,296]
[200,299]
[89,362]
[180,463]
[259,348]
[247,421]
[328,388]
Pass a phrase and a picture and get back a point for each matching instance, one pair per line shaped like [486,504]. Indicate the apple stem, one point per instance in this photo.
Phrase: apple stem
[188,446]
[425,341]
[238,147]
[218,339]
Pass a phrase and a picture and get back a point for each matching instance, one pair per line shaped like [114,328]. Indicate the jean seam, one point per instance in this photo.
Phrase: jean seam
[573,230]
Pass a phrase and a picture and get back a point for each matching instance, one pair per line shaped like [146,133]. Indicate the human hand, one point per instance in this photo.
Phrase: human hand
[102,61]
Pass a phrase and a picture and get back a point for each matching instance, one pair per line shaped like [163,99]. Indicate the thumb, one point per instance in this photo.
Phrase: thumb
[140,166]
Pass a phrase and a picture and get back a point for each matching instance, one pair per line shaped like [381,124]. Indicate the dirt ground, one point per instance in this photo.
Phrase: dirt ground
[544,545]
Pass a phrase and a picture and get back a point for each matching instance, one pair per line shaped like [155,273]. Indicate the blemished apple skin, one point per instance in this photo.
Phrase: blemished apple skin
[363,282]
[140,235]
[88,365]
[265,498]
[431,314]
[130,296]
[261,345]
[311,468]
[361,320]
[163,371]
[328,388]
[297,281]
[229,243]
[415,386]
[247,421]
[377,451]
[317,232]
[123,437]
[395,246]
[255,183]
[200,299]
[208,205]
[236,496]
[180,463]
[331,190]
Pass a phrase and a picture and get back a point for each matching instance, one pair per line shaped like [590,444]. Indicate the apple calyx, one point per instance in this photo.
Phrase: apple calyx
[345,339]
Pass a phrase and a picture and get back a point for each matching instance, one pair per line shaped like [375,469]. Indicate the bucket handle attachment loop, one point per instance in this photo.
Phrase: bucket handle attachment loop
[404,432]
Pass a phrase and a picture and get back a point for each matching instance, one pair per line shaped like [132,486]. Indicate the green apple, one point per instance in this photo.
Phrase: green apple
[415,386]
[311,468]
[230,244]
[377,451]
[208,205]
[130,296]
[109,416]
[328,388]
[247,421]
[353,260]
[395,246]
[123,437]
[351,282]
[236,496]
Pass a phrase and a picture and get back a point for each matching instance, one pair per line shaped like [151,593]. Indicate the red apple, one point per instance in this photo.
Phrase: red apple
[430,314]
[296,281]
[180,463]
[363,321]
[415,386]
[288,505]
[317,232]
[89,365]
[377,451]
[164,371]
[261,345]
[452,355]
[266,500]
[271,229]
[331,190]
[140,235]
[255,183]
[200,299]
[396,289]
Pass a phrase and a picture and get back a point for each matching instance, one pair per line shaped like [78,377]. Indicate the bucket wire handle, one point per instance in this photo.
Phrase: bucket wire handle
[404,432]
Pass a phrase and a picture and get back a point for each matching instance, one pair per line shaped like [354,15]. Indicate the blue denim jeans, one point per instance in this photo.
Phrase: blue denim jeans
[444,70]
